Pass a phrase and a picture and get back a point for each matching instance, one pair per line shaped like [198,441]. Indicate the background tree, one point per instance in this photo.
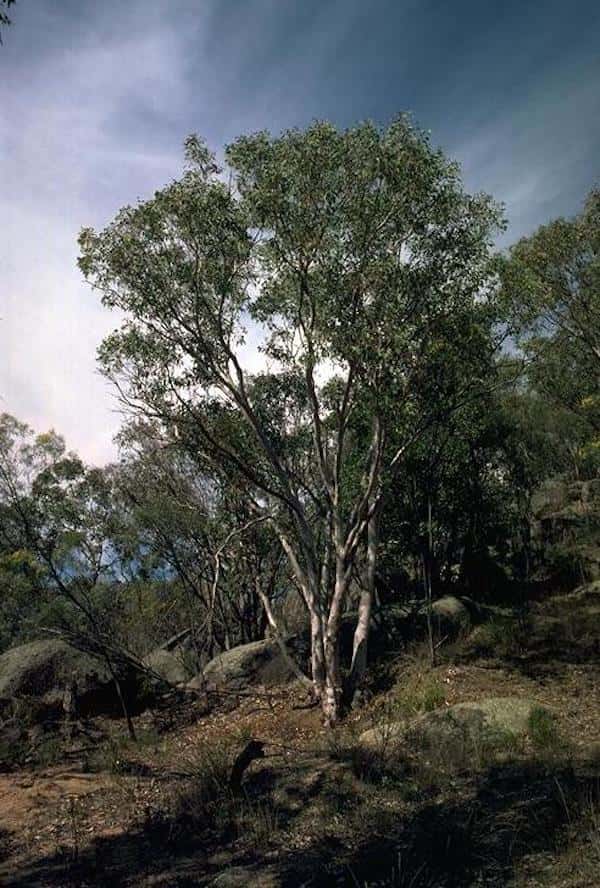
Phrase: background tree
[552,280]
[173,519]
[54,511]
[551,284]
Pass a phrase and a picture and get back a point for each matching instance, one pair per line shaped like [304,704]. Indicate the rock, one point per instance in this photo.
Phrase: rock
[167,664]
[455,731]
[250,665]
[52,678]
[290,613]
[197,683]
[450,615]
[566,530]
[495,716]
[382,737]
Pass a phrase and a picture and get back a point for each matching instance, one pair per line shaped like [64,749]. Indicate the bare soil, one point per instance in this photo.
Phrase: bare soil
[125,814]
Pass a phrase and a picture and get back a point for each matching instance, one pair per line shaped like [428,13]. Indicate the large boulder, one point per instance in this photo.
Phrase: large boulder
[459,730]
[59,677]
[489,719]
[168,665]
[260,663]
[450,616]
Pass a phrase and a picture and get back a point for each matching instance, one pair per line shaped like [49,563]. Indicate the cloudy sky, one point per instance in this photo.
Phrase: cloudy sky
[96,99]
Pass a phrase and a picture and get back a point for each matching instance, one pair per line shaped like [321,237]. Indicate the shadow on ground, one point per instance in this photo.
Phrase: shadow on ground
[509,812]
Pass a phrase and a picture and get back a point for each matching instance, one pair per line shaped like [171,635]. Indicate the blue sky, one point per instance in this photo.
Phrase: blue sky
[96,99]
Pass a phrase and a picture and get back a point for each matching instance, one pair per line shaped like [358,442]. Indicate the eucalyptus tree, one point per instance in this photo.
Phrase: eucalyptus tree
[54,514]
[551,284]
[552,280]
[342,253]
[173,518]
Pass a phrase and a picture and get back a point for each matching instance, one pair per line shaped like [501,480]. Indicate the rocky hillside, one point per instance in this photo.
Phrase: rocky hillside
[481,770]
[566,527]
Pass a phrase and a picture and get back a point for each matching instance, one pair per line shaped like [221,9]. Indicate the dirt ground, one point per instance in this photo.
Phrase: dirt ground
[114,816]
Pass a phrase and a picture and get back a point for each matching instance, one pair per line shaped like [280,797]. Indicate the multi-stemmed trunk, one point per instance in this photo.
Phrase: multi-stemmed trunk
[329,686]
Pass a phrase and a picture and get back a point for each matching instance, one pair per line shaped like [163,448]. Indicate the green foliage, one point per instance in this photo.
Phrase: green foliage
[501,636]
[563,563]
[551,284]
[551,279]
[48,751]
[363,268]
[543,731]
[422,693]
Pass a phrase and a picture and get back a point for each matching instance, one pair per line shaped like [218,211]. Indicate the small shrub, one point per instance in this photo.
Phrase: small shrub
[340,743]
[432,696]
[104,758]
[372,765]
[258,822]
[11,755]
[382,762]
[495,743]
[209,768]
[580,808]
[543,730]
[501,636]
[49,750]
[564,565]
[421,693]
[591,811]
[206,800]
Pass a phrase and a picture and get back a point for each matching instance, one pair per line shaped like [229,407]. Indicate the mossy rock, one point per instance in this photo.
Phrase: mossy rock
[496,715]
[460,731]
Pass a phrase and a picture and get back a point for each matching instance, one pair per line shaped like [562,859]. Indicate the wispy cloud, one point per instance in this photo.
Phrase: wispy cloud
[97,99]
[67,161]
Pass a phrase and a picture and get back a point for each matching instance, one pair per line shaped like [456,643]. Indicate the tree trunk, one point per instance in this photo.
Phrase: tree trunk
[120,695]
[333,699]
[334,691]
[427,576]
[358,666]
[317,650]
[278,637]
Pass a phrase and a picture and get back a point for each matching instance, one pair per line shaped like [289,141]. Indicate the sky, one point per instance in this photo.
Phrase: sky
[97,98]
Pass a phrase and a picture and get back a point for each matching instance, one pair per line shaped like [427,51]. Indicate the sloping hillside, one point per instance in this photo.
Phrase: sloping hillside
[519,805]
